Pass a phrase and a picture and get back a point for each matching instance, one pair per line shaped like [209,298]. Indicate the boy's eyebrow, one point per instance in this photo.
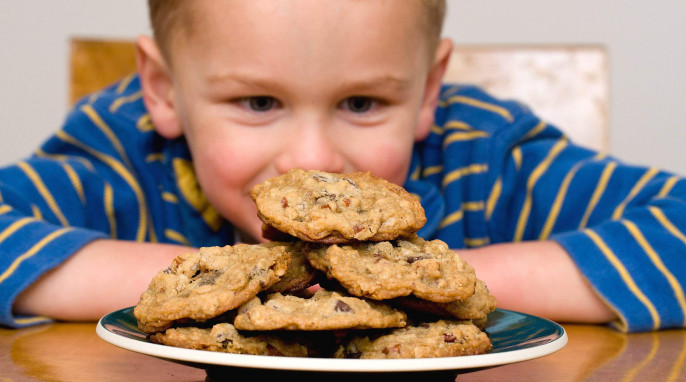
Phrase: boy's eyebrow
[385,82]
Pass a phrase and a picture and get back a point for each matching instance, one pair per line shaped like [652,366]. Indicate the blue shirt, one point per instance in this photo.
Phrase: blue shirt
[489,172]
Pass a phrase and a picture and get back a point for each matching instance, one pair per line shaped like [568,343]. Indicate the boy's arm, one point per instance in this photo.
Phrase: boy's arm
[538,277]
[506,176]
[103,276]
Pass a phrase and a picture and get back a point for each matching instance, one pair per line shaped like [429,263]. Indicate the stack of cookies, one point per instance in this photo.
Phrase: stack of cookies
[386,292]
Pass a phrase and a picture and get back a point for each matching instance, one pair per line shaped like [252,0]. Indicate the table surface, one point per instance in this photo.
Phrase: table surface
[74,352]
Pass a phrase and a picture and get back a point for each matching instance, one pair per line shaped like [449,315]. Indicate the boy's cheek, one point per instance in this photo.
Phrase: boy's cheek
[387,160]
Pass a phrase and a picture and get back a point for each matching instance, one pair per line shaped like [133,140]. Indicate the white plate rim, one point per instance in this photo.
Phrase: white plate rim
[210,358]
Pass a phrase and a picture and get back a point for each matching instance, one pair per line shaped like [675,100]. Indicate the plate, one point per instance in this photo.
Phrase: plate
[515,337]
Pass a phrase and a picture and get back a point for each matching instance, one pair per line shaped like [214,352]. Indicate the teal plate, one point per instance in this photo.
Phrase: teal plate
[515,336]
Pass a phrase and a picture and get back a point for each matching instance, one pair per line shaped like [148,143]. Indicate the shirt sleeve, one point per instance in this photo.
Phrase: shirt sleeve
[80,186]
[623,225]
[42,206]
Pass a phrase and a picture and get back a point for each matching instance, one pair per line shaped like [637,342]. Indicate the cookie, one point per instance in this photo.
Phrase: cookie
[204,284]
[476,307]
[225,338]
[385,270]
[300,274]
[427,340]
[323,311]
[323,207]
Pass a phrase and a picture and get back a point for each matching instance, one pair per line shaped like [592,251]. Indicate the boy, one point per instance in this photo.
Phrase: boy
[250,89]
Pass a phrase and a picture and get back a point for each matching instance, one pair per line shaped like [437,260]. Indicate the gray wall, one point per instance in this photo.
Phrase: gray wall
[645,40]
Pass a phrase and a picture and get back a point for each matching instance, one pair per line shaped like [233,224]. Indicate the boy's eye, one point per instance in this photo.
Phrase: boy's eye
[258,103]
[358,104]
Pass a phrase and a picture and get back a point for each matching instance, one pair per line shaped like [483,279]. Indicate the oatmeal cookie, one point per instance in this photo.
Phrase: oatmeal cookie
[225,338]
[427,340]
[390,269]
[204,284]
[332,208]
[323,311]
[476,307]
[299,275]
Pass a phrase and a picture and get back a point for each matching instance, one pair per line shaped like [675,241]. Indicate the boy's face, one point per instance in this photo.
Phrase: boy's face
[260,87]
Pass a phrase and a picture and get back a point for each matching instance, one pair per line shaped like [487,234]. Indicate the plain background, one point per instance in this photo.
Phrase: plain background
[646,41]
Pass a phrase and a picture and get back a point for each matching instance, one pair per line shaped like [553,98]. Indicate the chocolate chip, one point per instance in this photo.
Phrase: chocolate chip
[352,183]
[321,178]
[209,278]
[353,354]
[412,259]
[391,349]
[271,350]
[342,307]
[449,337]
[225,343]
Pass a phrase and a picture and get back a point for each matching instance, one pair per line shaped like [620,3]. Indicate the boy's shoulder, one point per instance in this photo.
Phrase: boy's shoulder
[468,111]
[471,106]
[120,103]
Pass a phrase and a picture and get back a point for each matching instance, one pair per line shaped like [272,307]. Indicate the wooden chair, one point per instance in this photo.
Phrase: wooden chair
[565,85]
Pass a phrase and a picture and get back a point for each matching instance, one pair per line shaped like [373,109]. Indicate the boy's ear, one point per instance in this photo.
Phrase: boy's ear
[433,88]
[157,88]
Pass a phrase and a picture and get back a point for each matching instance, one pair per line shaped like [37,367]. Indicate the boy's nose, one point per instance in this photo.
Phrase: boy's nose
[311,147]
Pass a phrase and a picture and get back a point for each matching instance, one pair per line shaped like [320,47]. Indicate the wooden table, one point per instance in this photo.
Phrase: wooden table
[73,352]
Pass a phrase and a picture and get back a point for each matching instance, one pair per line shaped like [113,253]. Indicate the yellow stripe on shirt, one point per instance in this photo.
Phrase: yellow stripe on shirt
[559,199]
[536,174]
[534,131]
[493,197]
[100,123]
[144,123]
[65,158]
[458,125]
[32,251]
[169,197]
[461,136]
[647,176]
[479,104]
[176,236]
[124,100]
[124,83]
[517,157]
[474,242]
[598,192]
[452,218]
[31,320]
[464,171]
[122,172]
[44,192]
[108,202]
[657,261]
[75,181]
[667,187]
[625,275]
[666,223]
[432,170]
[14,227]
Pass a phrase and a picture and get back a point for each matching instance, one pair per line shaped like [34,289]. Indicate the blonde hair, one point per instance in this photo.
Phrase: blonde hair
[170,18]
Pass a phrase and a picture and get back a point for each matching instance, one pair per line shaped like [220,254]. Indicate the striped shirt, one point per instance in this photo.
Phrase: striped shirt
[489,172]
